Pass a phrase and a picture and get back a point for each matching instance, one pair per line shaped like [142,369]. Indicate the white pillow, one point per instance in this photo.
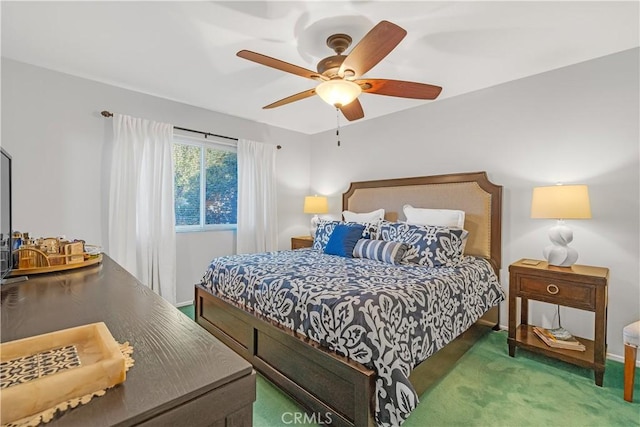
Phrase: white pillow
[437,217]
[368,217]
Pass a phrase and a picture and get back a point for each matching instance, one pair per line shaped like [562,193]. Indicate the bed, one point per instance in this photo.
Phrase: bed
[311,322]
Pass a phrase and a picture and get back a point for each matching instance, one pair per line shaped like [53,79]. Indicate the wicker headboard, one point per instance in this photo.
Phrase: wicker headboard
[480,199]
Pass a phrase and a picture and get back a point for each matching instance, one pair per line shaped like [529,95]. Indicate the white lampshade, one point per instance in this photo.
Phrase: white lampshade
[316,205]
[561,202]
[338,92]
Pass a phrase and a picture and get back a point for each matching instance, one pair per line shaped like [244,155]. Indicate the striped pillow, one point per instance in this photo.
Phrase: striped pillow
[380,250]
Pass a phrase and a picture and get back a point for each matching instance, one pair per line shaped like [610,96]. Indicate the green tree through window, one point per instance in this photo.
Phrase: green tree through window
[221,187]
[209,201]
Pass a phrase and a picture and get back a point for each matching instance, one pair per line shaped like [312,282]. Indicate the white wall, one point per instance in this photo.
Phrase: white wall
[52,127]
[574,125]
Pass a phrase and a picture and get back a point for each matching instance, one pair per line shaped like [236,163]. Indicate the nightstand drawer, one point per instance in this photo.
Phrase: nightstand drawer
[558,292]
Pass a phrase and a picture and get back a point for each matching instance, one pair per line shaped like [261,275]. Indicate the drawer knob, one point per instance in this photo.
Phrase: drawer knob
[552,289]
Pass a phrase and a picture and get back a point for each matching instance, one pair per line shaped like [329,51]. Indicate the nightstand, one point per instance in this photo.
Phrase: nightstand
[579,286]
[300,242]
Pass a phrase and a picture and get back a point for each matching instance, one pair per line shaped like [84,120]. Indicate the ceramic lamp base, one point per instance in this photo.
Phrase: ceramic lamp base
[315,220]
[559,253]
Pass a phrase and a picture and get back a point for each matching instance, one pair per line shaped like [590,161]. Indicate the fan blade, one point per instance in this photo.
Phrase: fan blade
[399,88]
[353,110]
[279,65]
[374,46]
[292,98]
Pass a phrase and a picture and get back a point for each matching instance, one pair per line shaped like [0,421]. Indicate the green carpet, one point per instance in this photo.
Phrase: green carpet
[189,310]
[489,388]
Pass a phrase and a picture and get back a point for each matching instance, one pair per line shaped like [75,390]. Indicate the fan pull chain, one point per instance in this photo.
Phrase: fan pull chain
[338,125]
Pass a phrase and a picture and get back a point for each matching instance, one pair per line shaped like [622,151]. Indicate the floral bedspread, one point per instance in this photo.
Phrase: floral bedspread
[387,317]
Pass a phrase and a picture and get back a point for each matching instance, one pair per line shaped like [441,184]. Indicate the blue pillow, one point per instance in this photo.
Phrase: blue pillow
[325,228]
[323,233]
[343,239]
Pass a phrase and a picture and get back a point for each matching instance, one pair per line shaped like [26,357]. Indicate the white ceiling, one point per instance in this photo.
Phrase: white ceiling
[185,51]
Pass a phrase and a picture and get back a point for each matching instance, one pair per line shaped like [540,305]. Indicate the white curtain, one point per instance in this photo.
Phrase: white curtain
[257,211]
[141,208]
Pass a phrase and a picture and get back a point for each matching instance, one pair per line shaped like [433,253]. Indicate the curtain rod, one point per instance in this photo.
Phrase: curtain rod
[109,114]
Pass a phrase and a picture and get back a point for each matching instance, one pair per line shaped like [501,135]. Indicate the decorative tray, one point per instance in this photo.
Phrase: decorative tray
[88,260]
[40,372]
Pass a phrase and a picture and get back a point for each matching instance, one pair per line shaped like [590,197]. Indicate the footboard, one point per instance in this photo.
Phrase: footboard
[334,389]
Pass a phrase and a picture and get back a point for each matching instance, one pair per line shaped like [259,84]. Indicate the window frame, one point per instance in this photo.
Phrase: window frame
[203,143]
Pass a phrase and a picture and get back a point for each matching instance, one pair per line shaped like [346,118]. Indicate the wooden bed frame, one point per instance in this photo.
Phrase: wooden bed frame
[333,389]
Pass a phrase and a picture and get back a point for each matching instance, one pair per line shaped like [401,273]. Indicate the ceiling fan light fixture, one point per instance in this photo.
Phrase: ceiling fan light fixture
[341,74]
[338,92]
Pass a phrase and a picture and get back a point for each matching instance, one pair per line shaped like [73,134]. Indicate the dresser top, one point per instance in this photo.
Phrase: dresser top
[176,360]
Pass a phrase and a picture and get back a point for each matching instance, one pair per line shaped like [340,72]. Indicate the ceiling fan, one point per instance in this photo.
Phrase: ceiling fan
[340,75]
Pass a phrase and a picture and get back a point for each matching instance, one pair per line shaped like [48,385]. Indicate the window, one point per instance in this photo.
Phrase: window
[205,184]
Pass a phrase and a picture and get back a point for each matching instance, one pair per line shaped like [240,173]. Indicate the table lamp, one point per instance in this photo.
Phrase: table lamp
[315,205]
[561,202]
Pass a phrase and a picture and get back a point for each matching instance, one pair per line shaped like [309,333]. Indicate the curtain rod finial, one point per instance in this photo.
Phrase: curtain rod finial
[106,113]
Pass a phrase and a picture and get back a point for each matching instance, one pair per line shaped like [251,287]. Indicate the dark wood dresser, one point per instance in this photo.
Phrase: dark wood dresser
[182,375]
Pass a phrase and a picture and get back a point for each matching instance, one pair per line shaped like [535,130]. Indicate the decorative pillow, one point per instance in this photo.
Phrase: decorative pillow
[370,217]
[325,228]
[370,220]
[438,217]
[344,239]
[323,232]
[379,250]
[428,245]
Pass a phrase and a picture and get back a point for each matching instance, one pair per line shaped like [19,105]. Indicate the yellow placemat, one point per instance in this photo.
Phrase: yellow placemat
[18,371]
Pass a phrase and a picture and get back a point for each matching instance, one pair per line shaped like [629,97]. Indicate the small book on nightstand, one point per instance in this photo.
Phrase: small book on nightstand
[558,338]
